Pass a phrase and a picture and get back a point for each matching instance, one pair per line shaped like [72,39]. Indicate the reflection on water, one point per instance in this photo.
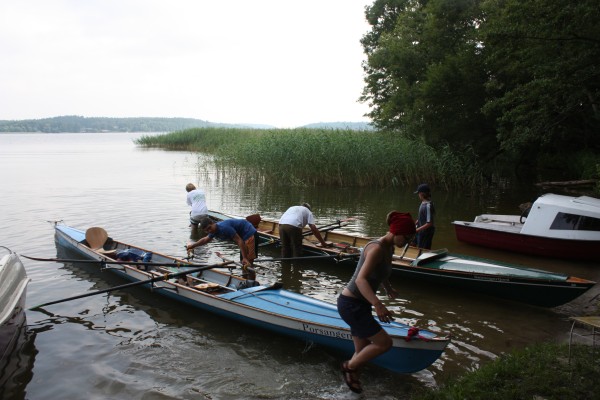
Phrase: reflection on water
[132,344]
[16,365]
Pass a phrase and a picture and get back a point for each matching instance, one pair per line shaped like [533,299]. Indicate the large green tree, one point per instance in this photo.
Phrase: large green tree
[544,62]
[424,72]
[510,75]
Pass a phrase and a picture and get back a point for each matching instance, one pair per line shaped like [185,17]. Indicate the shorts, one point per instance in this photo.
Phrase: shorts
[252,246]
[195,219]
[357,313]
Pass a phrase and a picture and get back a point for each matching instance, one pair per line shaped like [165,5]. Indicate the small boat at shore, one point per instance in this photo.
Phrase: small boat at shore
[13,288]
[224,293]
[504,280]
[554,226]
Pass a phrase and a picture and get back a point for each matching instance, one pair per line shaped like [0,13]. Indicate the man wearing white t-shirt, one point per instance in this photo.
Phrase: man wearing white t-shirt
[290,229]
[197,200]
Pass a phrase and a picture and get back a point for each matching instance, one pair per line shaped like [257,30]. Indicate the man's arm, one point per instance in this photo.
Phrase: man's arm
[317,234]
[243,248]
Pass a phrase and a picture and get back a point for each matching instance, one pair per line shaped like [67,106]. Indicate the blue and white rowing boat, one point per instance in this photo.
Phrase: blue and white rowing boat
[268,307]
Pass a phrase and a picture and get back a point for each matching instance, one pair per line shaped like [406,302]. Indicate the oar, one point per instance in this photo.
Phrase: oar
[307,233]
[323,229]
[75,260]
[138,283]
[340,256]
[330,227]
[405,250]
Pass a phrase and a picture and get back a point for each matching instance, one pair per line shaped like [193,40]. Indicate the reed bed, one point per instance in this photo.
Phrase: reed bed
[198,139]
[313,157]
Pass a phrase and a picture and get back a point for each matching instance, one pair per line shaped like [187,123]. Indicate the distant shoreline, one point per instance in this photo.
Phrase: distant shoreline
[78,124]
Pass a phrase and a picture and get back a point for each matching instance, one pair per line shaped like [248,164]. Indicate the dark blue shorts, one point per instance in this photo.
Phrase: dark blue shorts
[358,315]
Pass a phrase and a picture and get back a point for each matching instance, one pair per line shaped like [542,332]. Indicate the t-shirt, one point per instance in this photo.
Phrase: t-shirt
[197,199]
[227,229]
[298,216]
[426,213]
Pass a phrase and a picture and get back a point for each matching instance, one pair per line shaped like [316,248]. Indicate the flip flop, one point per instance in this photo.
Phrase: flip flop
[350,378]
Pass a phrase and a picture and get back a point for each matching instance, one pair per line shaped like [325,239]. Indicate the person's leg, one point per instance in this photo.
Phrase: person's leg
[296,242]
[368,349]
[426,238]
[285,238]
[352,374]
[251,245]
[419,239]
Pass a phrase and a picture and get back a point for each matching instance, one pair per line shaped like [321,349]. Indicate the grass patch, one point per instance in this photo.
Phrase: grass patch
[314,157]
[538,372]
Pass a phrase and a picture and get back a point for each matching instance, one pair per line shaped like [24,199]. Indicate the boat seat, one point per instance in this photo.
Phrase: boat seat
[96,238]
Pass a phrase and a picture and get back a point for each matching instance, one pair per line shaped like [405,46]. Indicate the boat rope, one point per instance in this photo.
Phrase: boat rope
[308,345]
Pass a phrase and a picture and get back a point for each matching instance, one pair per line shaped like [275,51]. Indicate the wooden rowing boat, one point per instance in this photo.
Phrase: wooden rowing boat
[504,280]
[265,306]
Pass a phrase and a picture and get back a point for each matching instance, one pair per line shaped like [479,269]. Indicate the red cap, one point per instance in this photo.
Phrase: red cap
[401,223]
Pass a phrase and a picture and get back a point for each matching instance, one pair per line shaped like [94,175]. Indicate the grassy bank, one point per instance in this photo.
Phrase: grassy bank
[328,157]
[538,372]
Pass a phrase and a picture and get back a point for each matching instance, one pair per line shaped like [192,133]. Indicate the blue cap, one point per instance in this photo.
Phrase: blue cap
[423,188]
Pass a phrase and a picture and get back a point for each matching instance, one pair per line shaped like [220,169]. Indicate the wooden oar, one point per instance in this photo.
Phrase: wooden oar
[329,227]
[405,250]
[138,283]
[155,264]
[340,256]
[323,228]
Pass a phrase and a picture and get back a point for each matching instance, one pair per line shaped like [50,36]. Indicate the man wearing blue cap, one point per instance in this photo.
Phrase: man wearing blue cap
[425,222]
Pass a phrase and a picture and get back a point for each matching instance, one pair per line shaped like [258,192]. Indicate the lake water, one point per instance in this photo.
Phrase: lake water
[131,344]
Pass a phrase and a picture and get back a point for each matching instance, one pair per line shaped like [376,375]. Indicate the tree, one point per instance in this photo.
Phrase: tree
[519,76]
[424,71]
[544,85]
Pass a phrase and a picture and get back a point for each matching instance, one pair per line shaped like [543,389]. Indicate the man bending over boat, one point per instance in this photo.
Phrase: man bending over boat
[291,224]
[239,231]
[355,302]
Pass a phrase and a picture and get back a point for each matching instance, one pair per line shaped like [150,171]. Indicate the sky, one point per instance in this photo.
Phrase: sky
[272,62]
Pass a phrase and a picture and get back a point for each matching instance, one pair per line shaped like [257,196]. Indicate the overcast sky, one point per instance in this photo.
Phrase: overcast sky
[272,62]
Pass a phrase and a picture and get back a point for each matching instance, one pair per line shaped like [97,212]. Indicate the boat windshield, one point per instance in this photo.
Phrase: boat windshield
[574,222]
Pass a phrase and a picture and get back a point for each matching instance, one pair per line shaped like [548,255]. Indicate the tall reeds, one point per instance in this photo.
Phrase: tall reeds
[326,157]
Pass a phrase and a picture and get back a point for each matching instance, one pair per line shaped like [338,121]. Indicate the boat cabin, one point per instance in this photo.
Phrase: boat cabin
[564,217]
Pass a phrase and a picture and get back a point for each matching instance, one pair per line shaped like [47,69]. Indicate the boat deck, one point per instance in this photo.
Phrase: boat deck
[493,222]
[301,307]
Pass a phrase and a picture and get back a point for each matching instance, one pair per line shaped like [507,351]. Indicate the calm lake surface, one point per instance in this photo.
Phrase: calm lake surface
[131,344]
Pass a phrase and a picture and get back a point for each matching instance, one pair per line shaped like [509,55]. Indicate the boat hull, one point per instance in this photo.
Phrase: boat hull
[13,288]
[547,290]
[527,244]
[276,310]
[553,226]
[494,278]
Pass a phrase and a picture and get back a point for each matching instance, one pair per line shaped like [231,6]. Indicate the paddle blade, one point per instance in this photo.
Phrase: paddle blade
[96,237]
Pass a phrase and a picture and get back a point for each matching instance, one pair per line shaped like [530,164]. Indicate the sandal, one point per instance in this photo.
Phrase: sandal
[350,378]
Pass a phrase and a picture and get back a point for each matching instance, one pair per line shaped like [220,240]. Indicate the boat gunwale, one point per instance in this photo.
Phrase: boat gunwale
[397,338]
[407,262]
